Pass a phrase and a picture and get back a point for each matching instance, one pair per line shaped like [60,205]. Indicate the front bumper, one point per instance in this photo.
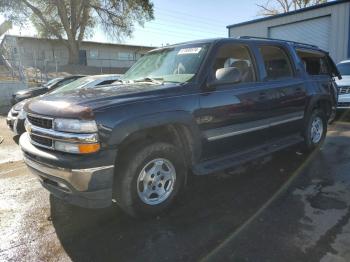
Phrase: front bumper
[15,123]
[86,181]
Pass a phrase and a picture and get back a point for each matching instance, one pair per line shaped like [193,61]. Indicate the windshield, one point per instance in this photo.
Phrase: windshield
[174,64]
[81,82]
[344,68]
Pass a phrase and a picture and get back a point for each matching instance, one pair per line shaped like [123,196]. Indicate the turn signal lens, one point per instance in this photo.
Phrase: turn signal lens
[88,148]
[77,148]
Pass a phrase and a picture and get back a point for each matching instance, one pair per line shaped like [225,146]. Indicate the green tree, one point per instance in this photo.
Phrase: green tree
[73,20]
[274,7]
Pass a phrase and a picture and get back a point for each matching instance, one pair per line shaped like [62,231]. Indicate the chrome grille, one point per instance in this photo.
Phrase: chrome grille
[40,121]
[343,104]
[344,90]
[41,141]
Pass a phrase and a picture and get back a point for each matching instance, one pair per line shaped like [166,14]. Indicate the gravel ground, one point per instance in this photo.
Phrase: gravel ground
[288,206]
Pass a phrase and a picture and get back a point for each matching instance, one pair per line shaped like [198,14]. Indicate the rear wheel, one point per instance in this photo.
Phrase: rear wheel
[315,129]
[149,179]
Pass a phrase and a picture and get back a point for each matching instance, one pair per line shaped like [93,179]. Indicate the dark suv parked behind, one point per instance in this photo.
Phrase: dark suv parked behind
[37,91]
[201,106]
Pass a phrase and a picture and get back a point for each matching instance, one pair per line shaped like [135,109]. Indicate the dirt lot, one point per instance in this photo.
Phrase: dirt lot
[285,207]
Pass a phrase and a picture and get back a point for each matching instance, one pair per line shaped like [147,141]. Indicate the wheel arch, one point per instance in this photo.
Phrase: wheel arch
[322,102]
[178,128]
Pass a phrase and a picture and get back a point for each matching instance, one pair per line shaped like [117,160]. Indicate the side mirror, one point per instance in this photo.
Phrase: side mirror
[227,75]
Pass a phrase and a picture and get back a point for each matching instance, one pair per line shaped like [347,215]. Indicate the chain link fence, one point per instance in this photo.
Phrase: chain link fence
[36,71]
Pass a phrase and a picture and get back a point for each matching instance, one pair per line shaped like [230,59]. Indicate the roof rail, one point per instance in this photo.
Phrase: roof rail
[275,39]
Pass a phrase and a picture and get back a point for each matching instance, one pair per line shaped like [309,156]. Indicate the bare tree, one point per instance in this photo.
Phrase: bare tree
[72,20]
[274,7]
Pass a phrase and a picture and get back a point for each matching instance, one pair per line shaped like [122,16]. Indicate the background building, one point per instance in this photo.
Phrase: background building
[326,25]
[51,54]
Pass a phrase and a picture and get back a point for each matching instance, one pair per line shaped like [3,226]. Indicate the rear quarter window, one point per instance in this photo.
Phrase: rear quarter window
[315,63]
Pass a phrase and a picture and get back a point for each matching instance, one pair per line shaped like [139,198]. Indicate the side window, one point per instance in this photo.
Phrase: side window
[315,63]
[237,56]
[277,63]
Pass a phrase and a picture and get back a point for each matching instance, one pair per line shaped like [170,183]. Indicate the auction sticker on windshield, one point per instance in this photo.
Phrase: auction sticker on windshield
[185,51]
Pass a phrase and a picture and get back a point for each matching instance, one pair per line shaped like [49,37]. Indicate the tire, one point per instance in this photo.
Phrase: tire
[315,130]
[149,179]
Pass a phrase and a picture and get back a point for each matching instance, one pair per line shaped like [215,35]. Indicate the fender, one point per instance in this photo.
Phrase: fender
[314,100]
[123,129]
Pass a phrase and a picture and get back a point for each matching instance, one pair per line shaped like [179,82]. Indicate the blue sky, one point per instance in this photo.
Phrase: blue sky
[182,20]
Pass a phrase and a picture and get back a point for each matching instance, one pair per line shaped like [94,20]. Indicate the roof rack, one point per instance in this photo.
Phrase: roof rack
[275,39]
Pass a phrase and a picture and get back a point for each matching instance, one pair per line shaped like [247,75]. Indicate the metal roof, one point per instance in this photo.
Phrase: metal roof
[83,42]
[289,13]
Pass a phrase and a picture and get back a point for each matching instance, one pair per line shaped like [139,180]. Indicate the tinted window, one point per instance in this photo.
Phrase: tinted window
[315,63]
[277,63]
[344,68]
[233,55]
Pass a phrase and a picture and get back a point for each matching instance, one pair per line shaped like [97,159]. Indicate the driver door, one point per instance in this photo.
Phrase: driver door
[234,116]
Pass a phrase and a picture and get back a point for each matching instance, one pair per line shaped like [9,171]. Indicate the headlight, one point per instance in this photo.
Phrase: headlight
[75,125]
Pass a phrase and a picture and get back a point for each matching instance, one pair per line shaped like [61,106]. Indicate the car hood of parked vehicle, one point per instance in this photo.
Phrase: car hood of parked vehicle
[345,81]
[81,103]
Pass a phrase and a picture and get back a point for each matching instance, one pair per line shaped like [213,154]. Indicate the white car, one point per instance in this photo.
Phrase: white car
[344,85]
[88,82]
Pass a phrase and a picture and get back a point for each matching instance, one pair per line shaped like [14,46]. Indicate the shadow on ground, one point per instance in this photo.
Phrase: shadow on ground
[211,208]
[16,139]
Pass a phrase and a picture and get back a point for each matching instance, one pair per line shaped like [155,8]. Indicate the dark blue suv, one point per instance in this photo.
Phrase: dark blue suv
[191,108]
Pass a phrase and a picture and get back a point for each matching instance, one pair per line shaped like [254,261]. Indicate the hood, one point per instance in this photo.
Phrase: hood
[345,81]
[81,103]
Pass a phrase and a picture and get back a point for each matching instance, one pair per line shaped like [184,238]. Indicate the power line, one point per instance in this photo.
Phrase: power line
[189,15]
[193,20]
[185,28]
[173,33]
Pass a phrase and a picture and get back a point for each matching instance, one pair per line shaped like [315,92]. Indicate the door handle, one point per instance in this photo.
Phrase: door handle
[262,95]
[298,90]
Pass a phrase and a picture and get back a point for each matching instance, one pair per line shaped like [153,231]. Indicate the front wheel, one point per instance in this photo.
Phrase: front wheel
[149,179]
[315,130]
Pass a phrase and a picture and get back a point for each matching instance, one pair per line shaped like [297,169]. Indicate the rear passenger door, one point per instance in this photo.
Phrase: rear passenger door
[286,88]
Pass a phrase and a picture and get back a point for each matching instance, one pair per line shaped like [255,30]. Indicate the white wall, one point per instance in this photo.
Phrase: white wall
[340,15]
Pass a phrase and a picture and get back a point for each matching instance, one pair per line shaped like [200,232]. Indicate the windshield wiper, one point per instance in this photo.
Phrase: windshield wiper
[158,81]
